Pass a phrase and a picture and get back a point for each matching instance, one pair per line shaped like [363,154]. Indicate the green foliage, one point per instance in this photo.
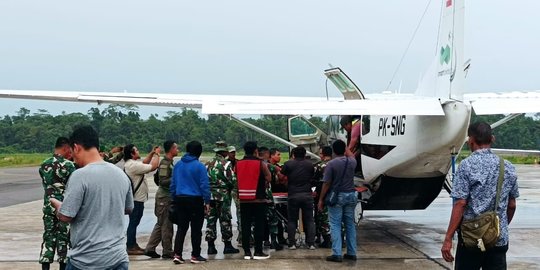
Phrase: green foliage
[36,132]
[14,160]
[523,132]
[118,125]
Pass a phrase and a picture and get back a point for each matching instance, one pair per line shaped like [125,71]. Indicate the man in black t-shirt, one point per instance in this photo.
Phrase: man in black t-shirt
[299,172]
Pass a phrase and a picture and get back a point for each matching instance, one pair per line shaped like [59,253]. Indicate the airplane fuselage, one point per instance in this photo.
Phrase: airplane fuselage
[405,159]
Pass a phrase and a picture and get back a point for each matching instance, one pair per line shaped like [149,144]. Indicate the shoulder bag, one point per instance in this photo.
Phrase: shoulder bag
[483,231]
[332,196]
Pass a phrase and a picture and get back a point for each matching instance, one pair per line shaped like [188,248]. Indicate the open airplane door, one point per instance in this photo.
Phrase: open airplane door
[344,84]
[306,134]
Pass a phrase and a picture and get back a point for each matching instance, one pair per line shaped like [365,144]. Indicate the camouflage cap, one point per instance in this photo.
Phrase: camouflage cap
[221,146]
[231,148]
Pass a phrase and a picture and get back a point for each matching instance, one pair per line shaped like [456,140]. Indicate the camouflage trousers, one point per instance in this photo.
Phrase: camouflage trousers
[272,219]
[55,237]
[322,224]
[219,210]
[234,196]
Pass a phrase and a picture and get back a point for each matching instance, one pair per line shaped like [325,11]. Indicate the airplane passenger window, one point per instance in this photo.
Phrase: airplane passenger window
[300,127]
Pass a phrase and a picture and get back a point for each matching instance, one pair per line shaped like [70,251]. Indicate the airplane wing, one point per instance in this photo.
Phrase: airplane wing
[504,103]
[421,106]
[151,99]
[235,104]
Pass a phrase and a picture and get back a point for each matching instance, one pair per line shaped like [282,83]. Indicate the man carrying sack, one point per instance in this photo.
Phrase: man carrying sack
[484,183]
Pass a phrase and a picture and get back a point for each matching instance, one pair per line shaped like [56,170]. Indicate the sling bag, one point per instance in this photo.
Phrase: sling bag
[332,197]
[483,231]
[138,185]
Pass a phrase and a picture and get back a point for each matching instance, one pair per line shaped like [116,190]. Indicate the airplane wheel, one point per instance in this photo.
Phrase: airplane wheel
[358,213]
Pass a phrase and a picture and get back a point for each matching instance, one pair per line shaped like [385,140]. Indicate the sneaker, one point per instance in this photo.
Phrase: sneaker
[135,251]
[152,254]
[334,258]
[247,256]
[311,247]
[198,259]
[292,247]
[349,257]
[260,256]
[178,260]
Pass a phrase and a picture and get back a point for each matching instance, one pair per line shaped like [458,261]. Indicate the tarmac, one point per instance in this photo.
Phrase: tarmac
[386,239]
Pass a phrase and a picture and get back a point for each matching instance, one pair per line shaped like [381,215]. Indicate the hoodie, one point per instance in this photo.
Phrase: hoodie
[190,178]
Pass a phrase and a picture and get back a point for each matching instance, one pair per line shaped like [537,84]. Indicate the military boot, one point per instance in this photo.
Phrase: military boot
[211,248]
[274,243]
[326,243]
[229,249]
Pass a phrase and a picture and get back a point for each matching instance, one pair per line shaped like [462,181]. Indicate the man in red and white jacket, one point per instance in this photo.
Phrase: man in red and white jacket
[253,177]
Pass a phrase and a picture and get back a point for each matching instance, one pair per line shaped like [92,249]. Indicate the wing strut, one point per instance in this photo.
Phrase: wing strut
[270,135]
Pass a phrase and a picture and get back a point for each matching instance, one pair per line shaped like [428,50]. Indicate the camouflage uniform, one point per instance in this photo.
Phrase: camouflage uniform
[54,173]
[271,214]
[220,174]
[234,196]
[113,157]
[322,225]
[163,230]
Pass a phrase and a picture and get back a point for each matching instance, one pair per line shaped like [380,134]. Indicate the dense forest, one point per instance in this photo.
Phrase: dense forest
[35,132]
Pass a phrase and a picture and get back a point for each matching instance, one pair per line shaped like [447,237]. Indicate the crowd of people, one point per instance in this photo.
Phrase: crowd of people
[86,198]
[189,192]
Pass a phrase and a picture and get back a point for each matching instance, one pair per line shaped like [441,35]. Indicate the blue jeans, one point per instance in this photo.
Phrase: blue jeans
[343,211]
[134,220]
[120,266]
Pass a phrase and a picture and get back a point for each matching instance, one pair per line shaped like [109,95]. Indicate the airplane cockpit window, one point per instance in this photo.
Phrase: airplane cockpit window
[300,127]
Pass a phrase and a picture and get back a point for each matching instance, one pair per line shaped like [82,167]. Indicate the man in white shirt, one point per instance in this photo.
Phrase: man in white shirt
[135,169]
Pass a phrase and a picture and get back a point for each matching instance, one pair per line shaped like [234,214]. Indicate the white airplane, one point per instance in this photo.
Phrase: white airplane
[409,139]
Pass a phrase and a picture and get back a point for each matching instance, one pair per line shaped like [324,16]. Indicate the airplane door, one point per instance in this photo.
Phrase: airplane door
[344,84]
[303,133]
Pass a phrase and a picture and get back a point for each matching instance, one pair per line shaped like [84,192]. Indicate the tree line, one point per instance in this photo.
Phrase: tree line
[118,125]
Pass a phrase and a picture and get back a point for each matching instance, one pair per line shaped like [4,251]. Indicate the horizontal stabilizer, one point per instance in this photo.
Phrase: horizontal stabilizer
[504,103]
[424,106]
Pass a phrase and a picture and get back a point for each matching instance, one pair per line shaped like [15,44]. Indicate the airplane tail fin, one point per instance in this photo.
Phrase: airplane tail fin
[446,76]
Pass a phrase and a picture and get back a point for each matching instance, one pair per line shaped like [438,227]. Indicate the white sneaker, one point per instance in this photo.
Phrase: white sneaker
[247,257]
[293,247]
[261,256]
[312,247]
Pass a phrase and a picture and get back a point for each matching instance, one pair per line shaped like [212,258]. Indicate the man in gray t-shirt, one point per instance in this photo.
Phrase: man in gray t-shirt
[96,200]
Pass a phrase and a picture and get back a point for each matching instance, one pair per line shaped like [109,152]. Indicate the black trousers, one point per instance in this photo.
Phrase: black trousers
[253,212]
[294,204]
[473,258]
[190,211]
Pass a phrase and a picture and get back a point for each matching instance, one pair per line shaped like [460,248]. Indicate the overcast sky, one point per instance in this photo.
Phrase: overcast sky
[250,47]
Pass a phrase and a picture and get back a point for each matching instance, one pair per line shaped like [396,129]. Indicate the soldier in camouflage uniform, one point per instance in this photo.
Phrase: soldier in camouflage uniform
[54,173]
[276,185]
[271,213]
[115,155]
[221,177]
[163,230]
[322,225]
[231,158]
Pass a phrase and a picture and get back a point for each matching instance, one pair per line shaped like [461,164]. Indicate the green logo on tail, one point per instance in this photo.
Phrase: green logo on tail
[445,54]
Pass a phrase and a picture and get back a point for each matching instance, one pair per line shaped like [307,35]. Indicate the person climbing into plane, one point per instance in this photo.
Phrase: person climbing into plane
[353,125]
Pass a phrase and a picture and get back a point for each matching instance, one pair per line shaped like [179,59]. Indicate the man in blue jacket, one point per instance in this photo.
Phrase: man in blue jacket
[190,192]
